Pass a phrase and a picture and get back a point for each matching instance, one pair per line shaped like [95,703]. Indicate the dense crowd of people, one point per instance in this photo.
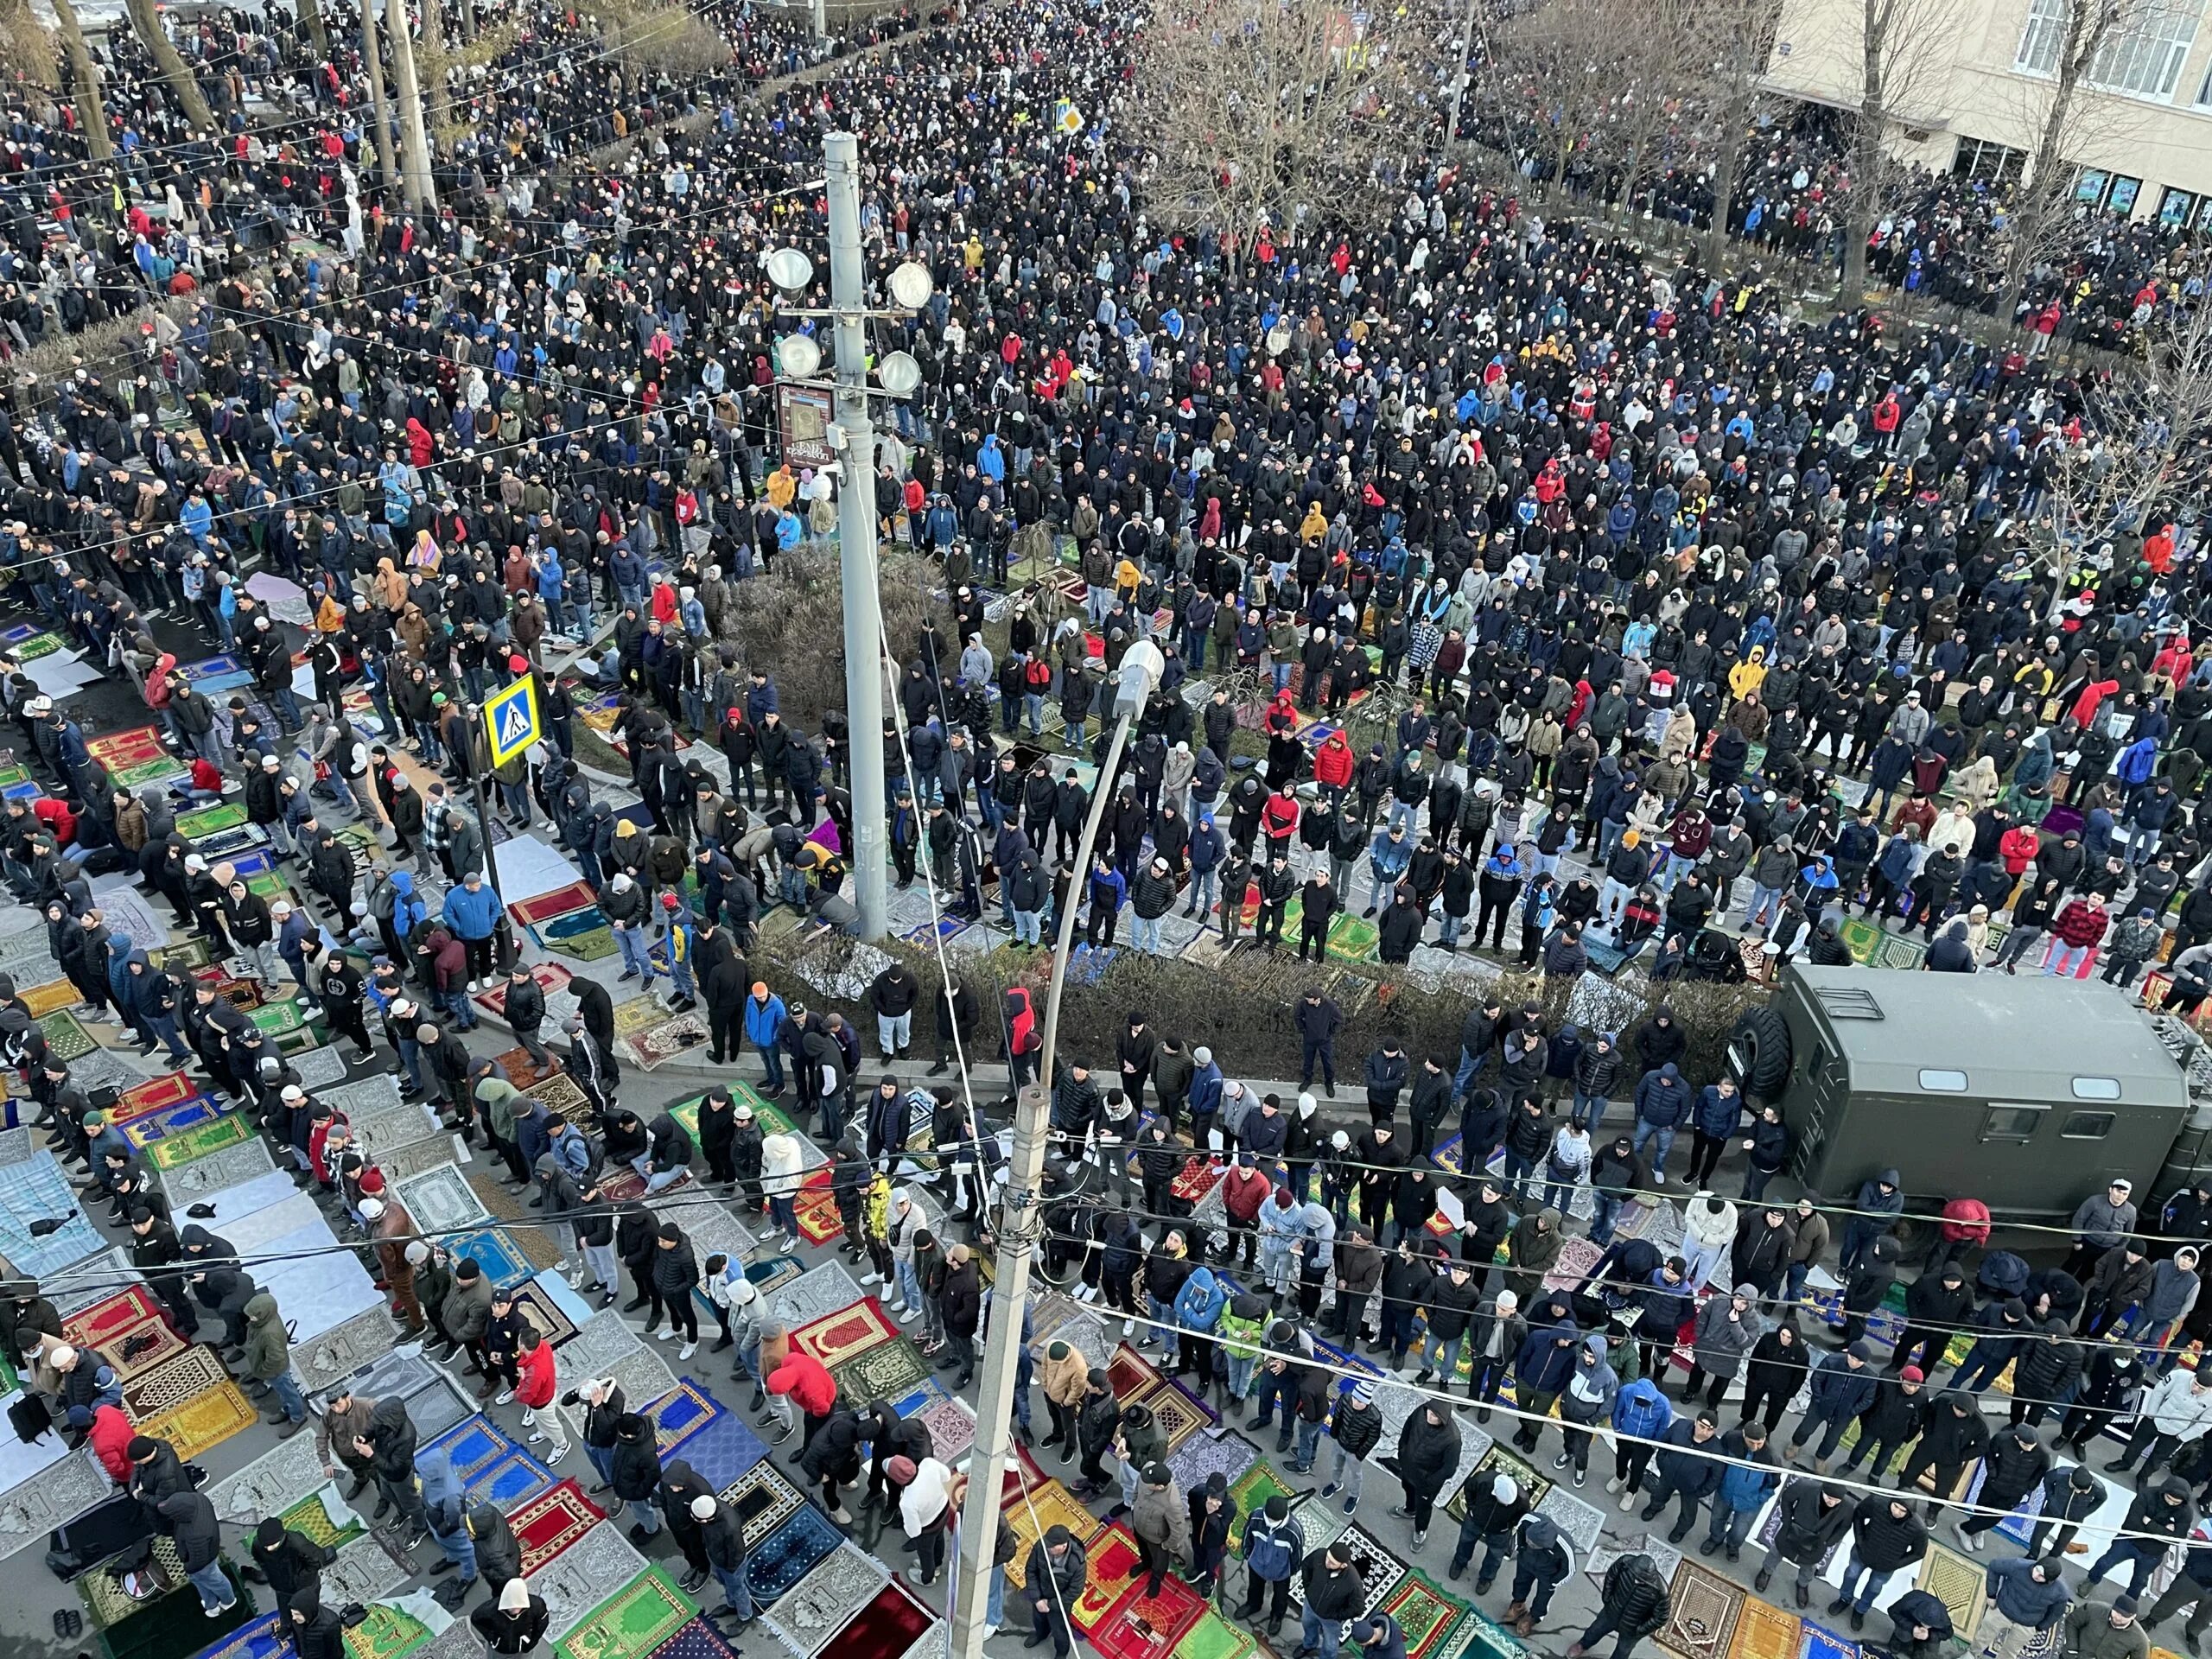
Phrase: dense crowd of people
[1663,618]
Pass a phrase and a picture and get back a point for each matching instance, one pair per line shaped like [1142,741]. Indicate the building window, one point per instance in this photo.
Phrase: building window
[2091,187]
[2146,57]
[2121,197]
[2040,40]
[2174,211]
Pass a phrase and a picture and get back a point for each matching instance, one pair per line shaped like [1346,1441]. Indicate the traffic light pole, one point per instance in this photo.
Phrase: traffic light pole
[858,567]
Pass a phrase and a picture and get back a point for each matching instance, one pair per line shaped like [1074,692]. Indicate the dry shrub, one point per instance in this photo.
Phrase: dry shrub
[669,39]
[27,50]
[1242,1009]
[793,620]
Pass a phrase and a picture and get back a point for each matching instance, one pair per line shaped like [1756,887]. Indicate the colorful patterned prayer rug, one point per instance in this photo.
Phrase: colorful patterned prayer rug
[1706,1609]
[189,1145]
[1050,1505]
[686,1410]
[846,1334]
[1424,1612]
[1766,1632]
[887,1627]
[491,1468]
[548,1523]
[632,1623]
[794,1549]
[127,1330]
[883,1372]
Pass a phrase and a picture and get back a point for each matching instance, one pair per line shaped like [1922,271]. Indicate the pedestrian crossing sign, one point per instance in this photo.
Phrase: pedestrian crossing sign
[511,721]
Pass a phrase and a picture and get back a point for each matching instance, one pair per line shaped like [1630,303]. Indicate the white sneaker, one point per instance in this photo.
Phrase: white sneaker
[669,1335]
[537,1436]
[687,1350]
[1129,1327]
[557,1453]
[475,985]
[907,1316]
[528,1417]
[870,1280]
[506,1397]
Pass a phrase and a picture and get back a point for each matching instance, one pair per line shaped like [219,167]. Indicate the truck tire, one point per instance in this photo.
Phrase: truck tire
[1761,1044]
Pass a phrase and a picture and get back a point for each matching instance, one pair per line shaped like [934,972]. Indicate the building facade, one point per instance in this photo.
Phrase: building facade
[1971,88]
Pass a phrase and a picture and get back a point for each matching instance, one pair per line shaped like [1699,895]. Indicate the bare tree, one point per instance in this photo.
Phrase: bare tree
[176,74]
[26,49]
[1898,49]
[318,31]
[84,81]
[2062,121]
[2146,436]
[1737,37]
[1268,114]
[379,105]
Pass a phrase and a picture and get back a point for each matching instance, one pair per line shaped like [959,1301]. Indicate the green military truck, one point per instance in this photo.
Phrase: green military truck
[2028,1093]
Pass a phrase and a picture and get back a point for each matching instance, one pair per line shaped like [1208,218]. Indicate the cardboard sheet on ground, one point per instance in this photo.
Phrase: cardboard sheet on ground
[59,673]
[234,1204]
[318,1286]
[529,866]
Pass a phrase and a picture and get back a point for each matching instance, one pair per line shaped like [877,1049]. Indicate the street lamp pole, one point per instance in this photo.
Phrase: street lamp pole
[1021,1232]
[859,570]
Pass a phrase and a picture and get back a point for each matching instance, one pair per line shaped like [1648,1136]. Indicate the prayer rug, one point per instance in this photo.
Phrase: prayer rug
[793,1550]
[548,1523]
[181,1377]
[724,1449]
[217,1172]
[1424,1612]
[315,1516]
[491,1467]
[200,1424]
[846,1335]
[266,1637]
[1200,1176]
[1228,1456]
[633,1622]
[495,1251]
[952,1430]
[1706,1609]
[1765,1632]
[583,935]
[1957,1582]
[563,1097]
[275,1018]
[107,1602]
[686,1410]
[1476,1636]
[561,901]
[1827,1644]
[127,1330]
[1050,1505]
[273,1483]
[817,1210]
[35,1190]
[1143,1626]
[546,1316]
[521,1070]
[1251,1492]
[1502,1460]
[1215,1637]
[576,1580]
[762,1499]
[189,1145]
[1112,1557]
[1378,1570]
[663,1041]
[66,1035]
[389,1632]
[552,978]
[814,1296]
[883,1372]
[890,1623]
[770,1273]
[819,1609]
[210,820]
[363,1571]
[1179,1416]
[149,1098]
[696,1640]
[158,1127]
[1133,1376]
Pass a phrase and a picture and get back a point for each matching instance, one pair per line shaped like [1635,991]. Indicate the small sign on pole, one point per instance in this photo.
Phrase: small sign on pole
[510,722]
[802,415]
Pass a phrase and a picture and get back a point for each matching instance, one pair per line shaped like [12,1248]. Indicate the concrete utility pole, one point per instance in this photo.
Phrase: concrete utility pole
[821,20]
[859,570]
[1022,1228]
[414,142]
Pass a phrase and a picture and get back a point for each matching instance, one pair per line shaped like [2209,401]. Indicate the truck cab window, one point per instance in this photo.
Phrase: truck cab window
[2087,1125]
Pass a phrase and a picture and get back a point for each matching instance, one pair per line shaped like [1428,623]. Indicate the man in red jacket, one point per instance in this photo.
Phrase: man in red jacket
[2079,928]
[805,1381]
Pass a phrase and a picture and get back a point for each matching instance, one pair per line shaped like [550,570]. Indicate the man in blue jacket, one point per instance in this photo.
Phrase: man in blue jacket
[1719,1109]
[471,910]
[1684,1465]
[1198,1307]
[1663,1104]
[1843,1387]
[2029,1596]
[1540,1370]
[1744,1488]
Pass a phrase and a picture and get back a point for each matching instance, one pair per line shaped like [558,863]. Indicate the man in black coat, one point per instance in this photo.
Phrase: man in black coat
[1886,1536]
[1814,1516]
[1334,1593]
[1684,1465]
[635,1471]
[288,1560]
[1428,1453]
[723,1540]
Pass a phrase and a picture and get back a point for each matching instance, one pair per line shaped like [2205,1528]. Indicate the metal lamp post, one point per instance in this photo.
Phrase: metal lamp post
[1021,1233]
[853,436]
